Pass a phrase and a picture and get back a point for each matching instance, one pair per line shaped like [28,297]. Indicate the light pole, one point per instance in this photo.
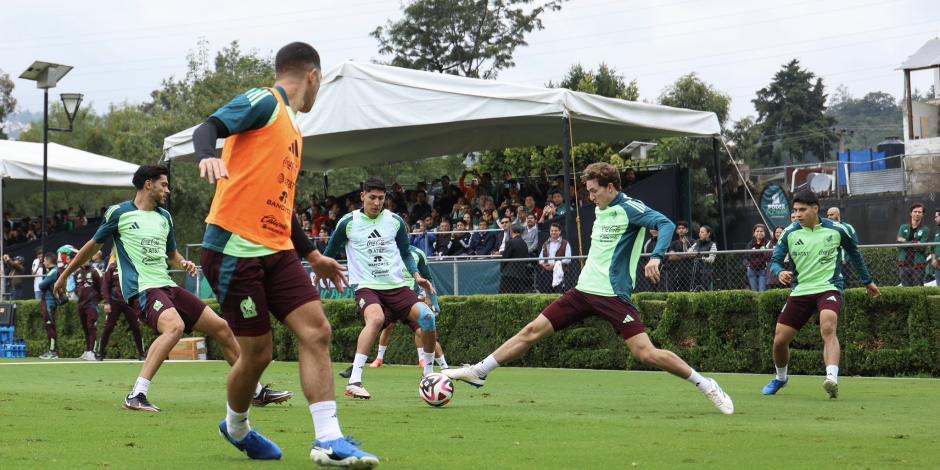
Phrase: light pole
[47,75]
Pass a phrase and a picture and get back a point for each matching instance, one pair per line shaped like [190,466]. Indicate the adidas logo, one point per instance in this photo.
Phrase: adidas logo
[832,298]
[628,319]
[798,243]
[133,226]
[375,234]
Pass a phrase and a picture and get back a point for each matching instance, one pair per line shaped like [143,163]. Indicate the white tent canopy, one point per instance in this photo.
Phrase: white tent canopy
[68,168]
[367,114]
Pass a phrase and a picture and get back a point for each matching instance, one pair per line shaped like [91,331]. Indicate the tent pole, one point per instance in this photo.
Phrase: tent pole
[721,197]
[568,165]
[3,283]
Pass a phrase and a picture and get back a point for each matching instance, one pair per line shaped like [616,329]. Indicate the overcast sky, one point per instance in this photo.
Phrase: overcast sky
[121,50]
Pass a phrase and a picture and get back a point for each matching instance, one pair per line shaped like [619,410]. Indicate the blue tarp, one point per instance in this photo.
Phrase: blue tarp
[860,160]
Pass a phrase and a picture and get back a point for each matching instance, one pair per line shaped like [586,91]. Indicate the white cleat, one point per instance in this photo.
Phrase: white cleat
[357,391]
[465,374]
[720,399]
[832,388]
[87,356]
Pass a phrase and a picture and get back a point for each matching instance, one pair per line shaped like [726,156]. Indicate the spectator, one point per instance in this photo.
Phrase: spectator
[758,262]
[305,224]
[39,271]
[516,277]
[490,221]
[421,208]
[555,262]
[429,225]
[421,239]
[530,208]
[97,262]
[642,282]
[81,220]
[459,241]
[442,238]
[935,262]
[448,196]
[629,177]
[834,214]
[459,209]
[773,282]
[912,262]
[530,234]
[397,194]
[678,270]
[12,267]
[318,218]
[506,235]
[323,238]
[703,269]
[482,242]
[472,190]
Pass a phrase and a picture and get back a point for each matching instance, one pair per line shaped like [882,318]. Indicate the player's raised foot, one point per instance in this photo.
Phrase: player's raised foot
[346,373]
[719,398]
[140,402]
[267,395]
[832,388]
[357,391]
[378,362]
[49,355]
[254,445]
[342,452]
[466,374]
[774,386]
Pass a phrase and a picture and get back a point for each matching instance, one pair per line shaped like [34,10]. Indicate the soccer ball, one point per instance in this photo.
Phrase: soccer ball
[436,389]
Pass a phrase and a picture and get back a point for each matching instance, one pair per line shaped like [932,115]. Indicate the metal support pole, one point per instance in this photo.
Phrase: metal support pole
[456,279]
[721,197]
[45,165]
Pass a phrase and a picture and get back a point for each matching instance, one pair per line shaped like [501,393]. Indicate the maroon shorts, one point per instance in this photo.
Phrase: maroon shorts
[151,303]
[800,308]
[251,289]
[396,304]
[575,305]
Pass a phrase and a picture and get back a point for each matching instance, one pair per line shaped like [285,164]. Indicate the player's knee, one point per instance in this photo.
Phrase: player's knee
[646,355]
[827,329]
[427,319]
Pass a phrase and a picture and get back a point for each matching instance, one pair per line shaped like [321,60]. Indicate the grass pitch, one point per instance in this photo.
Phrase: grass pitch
[70,416]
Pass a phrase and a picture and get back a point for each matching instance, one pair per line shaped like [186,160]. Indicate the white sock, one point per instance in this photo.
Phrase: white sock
[832,373]
[381,354]
[699,381]
[358,362]
[428,363]
[441,361]
[237,423]
[325,422]
[258,388]
[420,354]
[141,386]
[484,367]
[782,373]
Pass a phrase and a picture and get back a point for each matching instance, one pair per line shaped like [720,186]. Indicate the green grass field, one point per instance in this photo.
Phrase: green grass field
[70,416]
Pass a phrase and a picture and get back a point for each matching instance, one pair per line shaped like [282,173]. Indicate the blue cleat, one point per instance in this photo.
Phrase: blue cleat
[774,386]
[342,452]
[254,445]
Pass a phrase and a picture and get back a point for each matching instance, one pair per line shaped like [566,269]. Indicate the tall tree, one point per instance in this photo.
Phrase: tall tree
[472,38]
[791,111]
[7,102]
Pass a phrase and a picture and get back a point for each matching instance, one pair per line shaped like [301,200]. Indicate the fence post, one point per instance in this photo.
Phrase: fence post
[456,279]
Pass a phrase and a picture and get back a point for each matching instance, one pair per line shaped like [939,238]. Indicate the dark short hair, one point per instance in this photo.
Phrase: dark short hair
[555,225]
[516,228]
[373,184]
[915,206]
[806,197]
[706,227]
[602,172]
[49,256]
[682,223]
[296,57]
[147,173]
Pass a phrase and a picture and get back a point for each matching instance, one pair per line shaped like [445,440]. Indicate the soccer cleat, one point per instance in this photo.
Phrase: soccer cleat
[87,356]
[254,445]
[465,374]
[356,390]
[832,388]
[720,399]
[269,395]
[140,402]
[141,357]
[99,357]
[378,362]
[774,386]
[342,452]
[49,355]
[346,373]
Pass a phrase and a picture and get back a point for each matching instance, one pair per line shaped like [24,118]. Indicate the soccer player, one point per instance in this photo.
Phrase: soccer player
[88,290]
[114,306]
[422,261]
[604,288]
[143,235]
[48,304]
[814,246]
[251,247]
[377,250]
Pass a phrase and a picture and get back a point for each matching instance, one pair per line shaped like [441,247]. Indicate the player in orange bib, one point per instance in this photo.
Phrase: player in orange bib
[252,249]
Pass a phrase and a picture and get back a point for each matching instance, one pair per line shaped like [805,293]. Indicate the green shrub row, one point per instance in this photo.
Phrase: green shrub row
[725,331]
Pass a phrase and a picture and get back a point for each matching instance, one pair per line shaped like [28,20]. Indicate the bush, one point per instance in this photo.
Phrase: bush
[724,331]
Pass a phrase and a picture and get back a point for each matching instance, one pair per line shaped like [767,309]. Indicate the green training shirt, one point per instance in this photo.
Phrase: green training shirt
[817,257]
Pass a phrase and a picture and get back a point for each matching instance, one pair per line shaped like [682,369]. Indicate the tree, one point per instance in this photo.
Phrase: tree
[791,112]
[869,119]
[472,38]
[7,102]
[744,139]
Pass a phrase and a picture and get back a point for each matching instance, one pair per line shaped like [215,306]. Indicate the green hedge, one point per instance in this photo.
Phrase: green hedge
[726,331]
